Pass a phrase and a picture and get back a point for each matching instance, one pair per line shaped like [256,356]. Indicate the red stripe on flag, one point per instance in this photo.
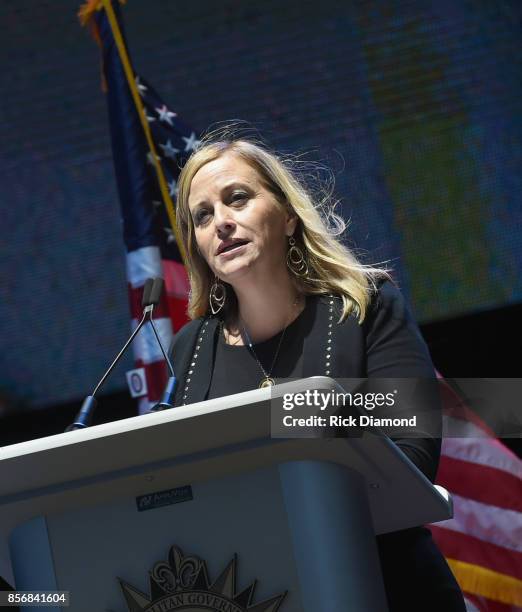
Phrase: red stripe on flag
[178,312]
[156,376]
[176,279]
[468,479]
[135,296]
[177,289]
[463,547]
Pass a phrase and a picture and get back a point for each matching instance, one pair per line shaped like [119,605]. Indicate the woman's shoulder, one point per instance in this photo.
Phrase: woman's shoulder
[389,311]
[188,333]
[184,341]
[188,328]
[385,297]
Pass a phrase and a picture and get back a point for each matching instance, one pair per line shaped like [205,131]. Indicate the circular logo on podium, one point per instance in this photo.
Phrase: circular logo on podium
[182,584]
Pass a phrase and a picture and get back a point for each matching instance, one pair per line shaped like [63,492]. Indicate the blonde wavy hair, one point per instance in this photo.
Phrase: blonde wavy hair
[333,267]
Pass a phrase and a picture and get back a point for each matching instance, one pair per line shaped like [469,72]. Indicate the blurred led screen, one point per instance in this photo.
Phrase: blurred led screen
[415,105]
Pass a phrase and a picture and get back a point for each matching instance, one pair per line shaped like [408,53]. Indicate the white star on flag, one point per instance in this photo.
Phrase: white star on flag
[141,88]
[149,118]
[150,158]
[173,188]
[165,114]
[170,235]
[191,143]
[169,150]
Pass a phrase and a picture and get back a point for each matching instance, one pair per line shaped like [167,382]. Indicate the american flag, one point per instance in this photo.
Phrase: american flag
[142,165]
[483,541]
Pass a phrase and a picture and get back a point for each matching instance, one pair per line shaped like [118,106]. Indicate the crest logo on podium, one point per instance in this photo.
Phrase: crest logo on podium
[182,584]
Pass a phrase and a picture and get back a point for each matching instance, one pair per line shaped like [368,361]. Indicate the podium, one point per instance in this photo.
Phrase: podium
[198,508]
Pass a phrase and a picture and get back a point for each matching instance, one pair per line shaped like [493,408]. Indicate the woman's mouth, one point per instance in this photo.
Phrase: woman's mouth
[232,249]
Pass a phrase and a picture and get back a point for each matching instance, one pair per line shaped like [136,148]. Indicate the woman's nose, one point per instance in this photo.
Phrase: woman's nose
[223,219]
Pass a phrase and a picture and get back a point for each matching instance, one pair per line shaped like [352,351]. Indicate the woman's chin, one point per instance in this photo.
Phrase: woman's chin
[234,270]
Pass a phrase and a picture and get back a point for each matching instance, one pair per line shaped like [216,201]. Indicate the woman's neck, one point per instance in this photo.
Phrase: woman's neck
[263,312]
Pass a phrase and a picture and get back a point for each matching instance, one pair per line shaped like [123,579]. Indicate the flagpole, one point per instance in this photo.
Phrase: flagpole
[129,73]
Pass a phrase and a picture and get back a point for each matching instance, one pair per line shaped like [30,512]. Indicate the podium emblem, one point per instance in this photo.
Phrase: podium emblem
[182,584]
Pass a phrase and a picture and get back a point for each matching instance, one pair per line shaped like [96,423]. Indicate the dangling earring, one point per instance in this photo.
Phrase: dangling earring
[295,259]
[217,296]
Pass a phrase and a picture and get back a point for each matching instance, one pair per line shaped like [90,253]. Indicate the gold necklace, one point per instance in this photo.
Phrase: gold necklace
[267,381]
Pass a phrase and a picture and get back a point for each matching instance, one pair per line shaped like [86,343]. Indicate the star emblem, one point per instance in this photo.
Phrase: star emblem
[170,235]
[183,582]
[173,188]
[141,87]
[150,158]
[191,143]
[169,150]
[165,114]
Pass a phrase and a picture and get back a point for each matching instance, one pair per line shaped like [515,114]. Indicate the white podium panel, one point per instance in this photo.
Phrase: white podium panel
[241,515]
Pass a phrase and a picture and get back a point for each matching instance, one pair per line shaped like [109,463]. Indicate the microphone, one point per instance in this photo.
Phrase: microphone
[147,288]
[155,291]
[151,297]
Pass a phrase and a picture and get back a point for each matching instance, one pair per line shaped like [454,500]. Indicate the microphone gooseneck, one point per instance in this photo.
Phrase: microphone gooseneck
[167,400]
[151,297]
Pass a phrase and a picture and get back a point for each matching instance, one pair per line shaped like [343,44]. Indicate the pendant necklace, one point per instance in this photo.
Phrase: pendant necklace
[267,381]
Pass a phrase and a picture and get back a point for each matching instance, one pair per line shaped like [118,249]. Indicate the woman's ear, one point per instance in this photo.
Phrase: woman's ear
[291,223]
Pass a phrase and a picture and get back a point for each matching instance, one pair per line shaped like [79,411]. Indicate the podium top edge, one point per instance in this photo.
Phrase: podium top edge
[144,421]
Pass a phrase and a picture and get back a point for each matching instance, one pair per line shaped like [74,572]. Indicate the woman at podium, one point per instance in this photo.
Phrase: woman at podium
[275,294]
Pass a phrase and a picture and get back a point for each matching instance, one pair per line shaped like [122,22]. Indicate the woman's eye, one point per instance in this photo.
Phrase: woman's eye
[239,196]
[202,216]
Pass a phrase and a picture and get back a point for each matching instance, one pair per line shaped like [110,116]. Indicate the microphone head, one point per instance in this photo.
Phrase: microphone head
[147,288]
[156,290]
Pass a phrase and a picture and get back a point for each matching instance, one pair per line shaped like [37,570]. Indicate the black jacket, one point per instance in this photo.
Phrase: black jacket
[387,345]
